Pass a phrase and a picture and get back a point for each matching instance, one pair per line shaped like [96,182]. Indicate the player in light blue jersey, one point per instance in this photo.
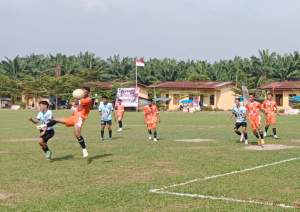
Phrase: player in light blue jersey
[106,109]
[240,114]
[46,133]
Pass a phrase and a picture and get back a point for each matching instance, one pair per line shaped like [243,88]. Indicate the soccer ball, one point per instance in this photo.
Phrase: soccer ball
[78,93]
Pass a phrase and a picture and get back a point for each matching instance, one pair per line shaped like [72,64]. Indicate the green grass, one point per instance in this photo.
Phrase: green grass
[118,176]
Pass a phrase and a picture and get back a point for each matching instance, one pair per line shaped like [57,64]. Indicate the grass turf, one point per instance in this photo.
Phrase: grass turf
[118,175]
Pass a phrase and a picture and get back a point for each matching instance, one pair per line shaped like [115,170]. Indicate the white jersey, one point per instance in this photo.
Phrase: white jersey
[106,111]
[45,117]
[239,113]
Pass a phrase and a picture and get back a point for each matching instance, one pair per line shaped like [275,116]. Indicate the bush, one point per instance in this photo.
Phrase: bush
[207,108]
[296,106]
[281,111]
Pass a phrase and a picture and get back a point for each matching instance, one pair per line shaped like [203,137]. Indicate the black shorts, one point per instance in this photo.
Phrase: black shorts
[240,124]
[48,134]
[106,122]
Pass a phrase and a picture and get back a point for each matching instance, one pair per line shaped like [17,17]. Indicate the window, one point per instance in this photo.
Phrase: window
[212,99]
[278,99]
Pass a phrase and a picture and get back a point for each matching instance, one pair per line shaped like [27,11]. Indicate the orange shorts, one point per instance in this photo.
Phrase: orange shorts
[151,126]
[74,121]
[270,119]
[255,122]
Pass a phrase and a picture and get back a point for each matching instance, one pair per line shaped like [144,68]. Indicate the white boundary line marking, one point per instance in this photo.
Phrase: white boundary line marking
[162,190]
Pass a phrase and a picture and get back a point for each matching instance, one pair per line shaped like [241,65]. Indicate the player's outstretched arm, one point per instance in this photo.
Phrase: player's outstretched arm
[33,120]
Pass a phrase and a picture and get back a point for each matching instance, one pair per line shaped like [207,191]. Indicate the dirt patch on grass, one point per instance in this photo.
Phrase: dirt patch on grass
[197,140]
[269,147]
[4,195]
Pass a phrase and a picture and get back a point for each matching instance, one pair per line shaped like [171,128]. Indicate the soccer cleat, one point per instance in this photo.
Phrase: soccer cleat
[246,141]
[101,140]
[110,139]
[275,137]
[85,153]
[48,155]
[258,142]
[265,134]
[155,139]
[150,137]
[120,130]
[262,141]
[41,126]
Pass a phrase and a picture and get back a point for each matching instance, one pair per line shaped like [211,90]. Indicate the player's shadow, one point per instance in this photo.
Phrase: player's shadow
[66,157]
[91,159]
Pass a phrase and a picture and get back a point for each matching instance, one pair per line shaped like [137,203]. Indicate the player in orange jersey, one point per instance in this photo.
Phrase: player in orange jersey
[151,118]
[119,114]
[270,109]
[81,110]
[253,111]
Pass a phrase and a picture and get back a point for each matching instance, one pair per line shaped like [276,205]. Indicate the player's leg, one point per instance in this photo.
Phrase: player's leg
[120,123]
[245,133]
[267,125]
[45,137]
[109,128]
[149,131]
[102,128]
[274,129]
[79,137]
[154,129]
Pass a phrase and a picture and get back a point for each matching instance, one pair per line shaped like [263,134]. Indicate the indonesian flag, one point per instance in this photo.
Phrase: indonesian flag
[140,62]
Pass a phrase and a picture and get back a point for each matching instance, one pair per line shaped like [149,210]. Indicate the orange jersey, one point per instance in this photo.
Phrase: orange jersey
[83,109]
[269,106]
[151,114]
[120,109]
[253,109]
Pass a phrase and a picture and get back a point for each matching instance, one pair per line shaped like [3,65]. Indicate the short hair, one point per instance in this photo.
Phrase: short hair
[44,103]
[120,100]
[237,99]
[269,94]
[104,97]
[86,88]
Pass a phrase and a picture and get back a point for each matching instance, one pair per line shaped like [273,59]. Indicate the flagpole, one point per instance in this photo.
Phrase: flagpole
[136,85]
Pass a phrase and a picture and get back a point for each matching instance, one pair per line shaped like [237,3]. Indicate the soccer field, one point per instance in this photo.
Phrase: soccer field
[119,176]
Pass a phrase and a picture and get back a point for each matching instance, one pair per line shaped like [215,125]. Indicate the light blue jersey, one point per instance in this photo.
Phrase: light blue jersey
[106,111]
[45,117]
[240,114]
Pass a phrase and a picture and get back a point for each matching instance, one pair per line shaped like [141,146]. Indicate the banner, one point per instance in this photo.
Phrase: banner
[129,96]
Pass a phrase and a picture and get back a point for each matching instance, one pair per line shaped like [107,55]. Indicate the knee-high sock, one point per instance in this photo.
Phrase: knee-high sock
[266,128]
[274,131]
[261,134]
[110,133]
[245,136]
[150,132]
[81,142]
[102,133]
[120,124]
[155,134]
[238,132]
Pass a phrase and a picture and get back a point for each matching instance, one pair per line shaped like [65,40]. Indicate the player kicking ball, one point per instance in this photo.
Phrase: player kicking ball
[46,133]
[240,114]
[270,109]
[253,111]
[81,110]
[151,118]
[119,114]
[106,110]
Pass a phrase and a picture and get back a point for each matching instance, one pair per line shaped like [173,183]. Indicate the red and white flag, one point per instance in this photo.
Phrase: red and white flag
[140,62]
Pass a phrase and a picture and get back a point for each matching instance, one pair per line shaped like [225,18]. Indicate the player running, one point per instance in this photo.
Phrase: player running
[270,109]
[119,114]
[106,109]
[46,133]
[81,110]
[151,118]
[240,114]
[253,111]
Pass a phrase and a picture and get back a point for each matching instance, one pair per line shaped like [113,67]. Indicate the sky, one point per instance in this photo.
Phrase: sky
[183,29]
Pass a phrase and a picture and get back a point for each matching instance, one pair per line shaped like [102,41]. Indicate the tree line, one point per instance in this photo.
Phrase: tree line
[36,74]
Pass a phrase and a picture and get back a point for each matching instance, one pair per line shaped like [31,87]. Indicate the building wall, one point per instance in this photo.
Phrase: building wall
[223,98]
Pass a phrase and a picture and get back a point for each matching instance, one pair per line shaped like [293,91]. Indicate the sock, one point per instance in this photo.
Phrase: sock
[274,131]
[155,134]
[81,142]
[51,123]
[246,136]
[266,128]
[261,134]
[256,134]
[102,133]
[238,132]
[149,131]
[45,148]
[120,124]
[110,133]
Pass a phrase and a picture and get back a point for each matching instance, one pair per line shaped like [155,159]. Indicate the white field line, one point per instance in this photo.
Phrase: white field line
[162,189]
[227,199]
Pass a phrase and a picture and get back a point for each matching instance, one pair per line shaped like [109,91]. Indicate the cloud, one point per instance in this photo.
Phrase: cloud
[102,6]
